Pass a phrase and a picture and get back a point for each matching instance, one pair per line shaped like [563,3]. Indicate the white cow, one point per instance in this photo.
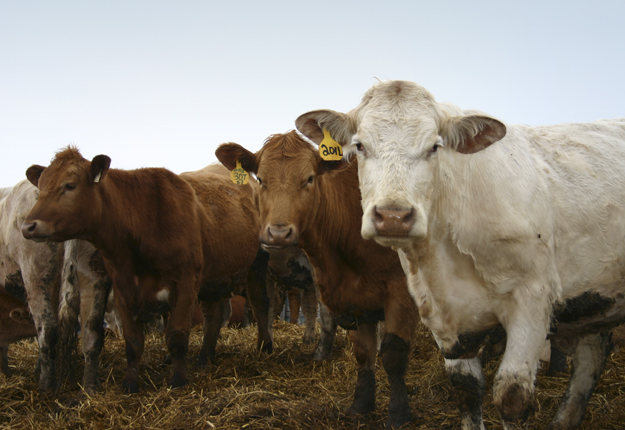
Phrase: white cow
[53,275]
[527,235]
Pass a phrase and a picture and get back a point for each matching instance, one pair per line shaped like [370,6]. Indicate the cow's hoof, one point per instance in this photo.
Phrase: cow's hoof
[398,420]
[266,347]
[309,339]
[362,406]
[130,386]
[178,381]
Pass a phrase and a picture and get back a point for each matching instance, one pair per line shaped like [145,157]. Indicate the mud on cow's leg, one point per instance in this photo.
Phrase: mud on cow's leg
[93,334]
[526,324]
[467,379]
[213,319]
[365,350]
[587,364]
[295,303]
[310,304]
[326,335]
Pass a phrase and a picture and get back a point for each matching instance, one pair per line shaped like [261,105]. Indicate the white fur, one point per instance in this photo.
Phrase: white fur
[500,234]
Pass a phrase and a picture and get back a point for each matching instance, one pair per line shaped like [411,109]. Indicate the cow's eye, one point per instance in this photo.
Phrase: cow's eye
[70,187]
[359,147]
[311,178]
[260,181]
[434,148]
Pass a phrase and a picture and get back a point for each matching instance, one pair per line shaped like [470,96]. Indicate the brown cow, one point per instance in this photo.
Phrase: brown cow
[304,202]
[15,324]
[167,240]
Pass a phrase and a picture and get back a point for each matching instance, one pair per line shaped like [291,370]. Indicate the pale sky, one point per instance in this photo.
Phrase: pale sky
[162,83]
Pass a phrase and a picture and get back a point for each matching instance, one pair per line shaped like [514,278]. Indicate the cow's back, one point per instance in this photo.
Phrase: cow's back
[231,222]
[556,204]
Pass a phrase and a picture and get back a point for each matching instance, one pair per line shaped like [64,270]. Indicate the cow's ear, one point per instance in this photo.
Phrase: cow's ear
[328,166]
[340,126]
[20,315]
[33,173]
[99,166]
[471,133]
[230,153]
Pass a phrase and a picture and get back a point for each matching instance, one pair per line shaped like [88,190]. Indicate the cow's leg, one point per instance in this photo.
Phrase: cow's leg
[213,318]
[401,321]
[326,335]
[134,339]
[260,301]
[4,360]
[365,350]
[179,325]
[587,363]
[92,333]
[526,322]
[310,304]
[47,336]
[43,292]
[295,303]
[468,381]
[557,360]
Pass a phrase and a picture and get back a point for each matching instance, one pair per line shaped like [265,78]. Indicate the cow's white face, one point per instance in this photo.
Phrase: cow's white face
[400,135]
[397,166]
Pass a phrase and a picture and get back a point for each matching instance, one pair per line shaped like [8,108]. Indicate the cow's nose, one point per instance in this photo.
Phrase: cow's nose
[393,222]
[28,229]
[281,235]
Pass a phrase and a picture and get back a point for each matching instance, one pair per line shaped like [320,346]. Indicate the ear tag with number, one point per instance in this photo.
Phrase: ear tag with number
[239,176]
[329,149]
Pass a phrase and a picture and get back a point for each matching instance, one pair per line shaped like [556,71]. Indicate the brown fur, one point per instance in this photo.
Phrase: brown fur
[355,277]
[190,234]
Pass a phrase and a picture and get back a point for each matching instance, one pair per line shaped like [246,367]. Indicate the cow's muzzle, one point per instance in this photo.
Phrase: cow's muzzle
[393,222]
[35,230]
[278,236]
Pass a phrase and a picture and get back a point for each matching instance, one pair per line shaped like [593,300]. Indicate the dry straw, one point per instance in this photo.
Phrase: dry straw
[286,390]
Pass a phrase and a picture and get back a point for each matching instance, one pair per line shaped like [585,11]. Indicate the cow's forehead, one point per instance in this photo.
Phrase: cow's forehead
[60,170]
[411,133]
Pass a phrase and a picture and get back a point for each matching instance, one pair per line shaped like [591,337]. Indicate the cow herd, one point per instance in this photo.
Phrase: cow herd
[413,210]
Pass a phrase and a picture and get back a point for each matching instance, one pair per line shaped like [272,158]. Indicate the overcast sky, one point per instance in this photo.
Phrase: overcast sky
[162,83]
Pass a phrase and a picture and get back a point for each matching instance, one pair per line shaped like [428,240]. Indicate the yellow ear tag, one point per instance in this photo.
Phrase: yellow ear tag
[239,176]
[329,149]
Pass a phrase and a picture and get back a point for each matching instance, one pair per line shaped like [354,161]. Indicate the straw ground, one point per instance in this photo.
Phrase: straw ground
[286,390]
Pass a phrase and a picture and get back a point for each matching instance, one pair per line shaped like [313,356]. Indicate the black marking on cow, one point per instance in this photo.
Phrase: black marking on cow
[469,392]
[469,343]
[353,317]
[585,305]
[300,277]
[14,285]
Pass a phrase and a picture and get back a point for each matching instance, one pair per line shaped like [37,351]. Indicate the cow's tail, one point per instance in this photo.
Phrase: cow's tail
[69,309]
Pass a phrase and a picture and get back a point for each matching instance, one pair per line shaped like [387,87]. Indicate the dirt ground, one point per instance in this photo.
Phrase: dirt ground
[285,390]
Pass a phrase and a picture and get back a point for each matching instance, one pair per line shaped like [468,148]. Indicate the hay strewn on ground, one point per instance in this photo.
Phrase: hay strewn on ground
[286,390]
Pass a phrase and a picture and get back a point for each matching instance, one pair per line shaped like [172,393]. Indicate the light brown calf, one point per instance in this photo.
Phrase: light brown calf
[304,202]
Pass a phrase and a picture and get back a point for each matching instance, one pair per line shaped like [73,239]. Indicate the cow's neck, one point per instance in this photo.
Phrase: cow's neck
[334,231]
